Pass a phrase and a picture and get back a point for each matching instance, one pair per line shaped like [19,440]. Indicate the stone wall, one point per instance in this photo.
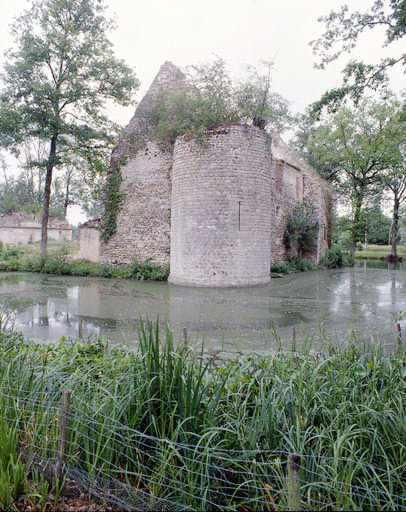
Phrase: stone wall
[221,205]
[287,191]
[89,241]
[143,222]
[294,180]
[24,228]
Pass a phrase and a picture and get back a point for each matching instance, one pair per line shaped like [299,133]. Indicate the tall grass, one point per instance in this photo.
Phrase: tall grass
[166,427]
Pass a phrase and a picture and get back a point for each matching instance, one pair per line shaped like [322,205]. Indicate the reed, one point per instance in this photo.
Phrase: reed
[166,426]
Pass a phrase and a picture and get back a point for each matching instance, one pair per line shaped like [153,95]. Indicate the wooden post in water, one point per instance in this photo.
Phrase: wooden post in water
[185,335]
[63,431]
[294,500]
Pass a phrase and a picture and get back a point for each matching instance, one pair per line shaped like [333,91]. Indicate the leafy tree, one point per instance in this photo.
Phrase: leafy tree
[257,102]
[377,225]
[205,102]
[212,99]
[343,30]
[356,146]
[56,82]
[302,229]
[395,181]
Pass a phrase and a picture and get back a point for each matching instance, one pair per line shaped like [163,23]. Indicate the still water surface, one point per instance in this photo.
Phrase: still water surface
[233,319]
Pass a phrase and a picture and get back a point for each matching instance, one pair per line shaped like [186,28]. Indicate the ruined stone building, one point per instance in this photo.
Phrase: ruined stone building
[215,211]
[24,228]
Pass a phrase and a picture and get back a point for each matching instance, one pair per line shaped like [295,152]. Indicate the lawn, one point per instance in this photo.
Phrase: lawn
[379,252]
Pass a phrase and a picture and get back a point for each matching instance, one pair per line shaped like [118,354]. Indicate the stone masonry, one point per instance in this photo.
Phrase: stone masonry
[216,208]
[221,197]
[24,228]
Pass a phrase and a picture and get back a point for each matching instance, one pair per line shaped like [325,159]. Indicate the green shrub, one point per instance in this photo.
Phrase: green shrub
[280,267]
[302,265]
[11,252]
[106,271]
[301,230]
[295,265]
[336,258]
[59,263]
[147,271]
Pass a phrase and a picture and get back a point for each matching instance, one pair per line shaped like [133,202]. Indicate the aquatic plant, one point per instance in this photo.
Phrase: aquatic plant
[167,426]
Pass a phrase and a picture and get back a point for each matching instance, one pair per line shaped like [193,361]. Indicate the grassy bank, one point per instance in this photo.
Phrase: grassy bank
[379,252]
[59,261]
[165,428]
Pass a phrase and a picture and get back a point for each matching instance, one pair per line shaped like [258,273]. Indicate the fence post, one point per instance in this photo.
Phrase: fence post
[294,501]
[63,431]
[185,335]
[293,339]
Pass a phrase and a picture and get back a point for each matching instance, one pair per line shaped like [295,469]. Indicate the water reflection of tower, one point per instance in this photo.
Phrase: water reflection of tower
[218,315]
[83,308]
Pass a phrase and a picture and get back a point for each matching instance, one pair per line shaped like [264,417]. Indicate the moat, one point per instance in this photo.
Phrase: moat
[358,299]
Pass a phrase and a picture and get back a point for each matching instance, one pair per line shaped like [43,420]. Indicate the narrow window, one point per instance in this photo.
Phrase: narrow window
[239,215]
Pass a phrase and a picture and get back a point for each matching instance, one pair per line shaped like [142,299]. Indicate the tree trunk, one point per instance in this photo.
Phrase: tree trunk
[395,226]
[47,195]
[66,202]
[67,193]
[356,224]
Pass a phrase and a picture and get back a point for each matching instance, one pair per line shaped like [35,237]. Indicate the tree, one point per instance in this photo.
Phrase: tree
[395,181]
[376,223]
[56,82]
[256,102]
[213,99]
[343,30]
[356,146]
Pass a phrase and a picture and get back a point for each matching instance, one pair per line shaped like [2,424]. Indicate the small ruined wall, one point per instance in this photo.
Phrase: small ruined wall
[287,191]
[20,228]
[320,196]
[143,222]
[89,241]
[294,180]
[221,204]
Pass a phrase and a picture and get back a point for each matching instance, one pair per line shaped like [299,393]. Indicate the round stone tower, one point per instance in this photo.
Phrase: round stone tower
[221,208]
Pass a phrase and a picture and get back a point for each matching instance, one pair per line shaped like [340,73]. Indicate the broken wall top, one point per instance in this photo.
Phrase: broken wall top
[138,131]
[282,151]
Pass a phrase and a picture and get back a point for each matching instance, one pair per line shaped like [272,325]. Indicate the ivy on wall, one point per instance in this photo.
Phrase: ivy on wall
[112,200]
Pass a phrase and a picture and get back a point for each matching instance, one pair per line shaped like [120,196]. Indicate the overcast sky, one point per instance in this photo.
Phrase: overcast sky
[240,31]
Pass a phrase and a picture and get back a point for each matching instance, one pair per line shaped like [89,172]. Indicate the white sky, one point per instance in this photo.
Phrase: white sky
[240,31]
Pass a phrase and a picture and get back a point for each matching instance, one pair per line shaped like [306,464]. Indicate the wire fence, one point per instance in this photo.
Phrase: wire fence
[62,437]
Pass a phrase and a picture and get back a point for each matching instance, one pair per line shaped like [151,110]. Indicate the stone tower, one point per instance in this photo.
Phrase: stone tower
[221,208]
[143,220]
[215,207]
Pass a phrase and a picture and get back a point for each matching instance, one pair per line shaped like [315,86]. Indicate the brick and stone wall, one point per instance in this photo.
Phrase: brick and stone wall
[143,222]
[221,208]
[24,228]
[294,180]
[89,241]
[287,191]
